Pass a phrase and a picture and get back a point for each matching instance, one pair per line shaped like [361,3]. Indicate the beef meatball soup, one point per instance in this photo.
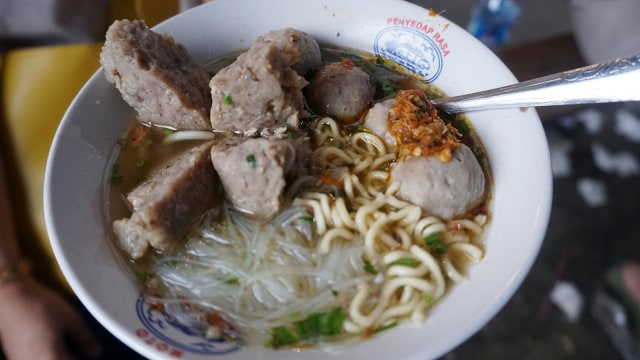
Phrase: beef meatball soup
[291,195]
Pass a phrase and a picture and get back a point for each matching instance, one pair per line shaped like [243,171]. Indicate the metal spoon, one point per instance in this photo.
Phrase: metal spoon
[612,81]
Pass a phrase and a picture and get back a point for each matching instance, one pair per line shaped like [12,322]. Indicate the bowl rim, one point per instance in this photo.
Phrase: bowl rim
[69,129]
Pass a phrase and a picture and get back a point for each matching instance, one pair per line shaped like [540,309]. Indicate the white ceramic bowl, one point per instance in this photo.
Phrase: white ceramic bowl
[424,42]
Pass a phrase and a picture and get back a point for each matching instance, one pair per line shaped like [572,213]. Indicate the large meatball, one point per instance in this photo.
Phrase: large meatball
[444,189]
[340,90]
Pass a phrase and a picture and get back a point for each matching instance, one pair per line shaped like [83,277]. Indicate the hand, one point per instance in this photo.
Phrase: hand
[37,323]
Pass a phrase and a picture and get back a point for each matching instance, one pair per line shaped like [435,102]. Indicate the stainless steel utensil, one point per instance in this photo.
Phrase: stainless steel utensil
[613,81]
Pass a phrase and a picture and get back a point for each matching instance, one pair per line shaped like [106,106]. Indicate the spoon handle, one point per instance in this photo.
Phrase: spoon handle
[611,81]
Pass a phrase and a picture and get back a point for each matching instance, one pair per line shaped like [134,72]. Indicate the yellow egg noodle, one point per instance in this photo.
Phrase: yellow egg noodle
[378,218]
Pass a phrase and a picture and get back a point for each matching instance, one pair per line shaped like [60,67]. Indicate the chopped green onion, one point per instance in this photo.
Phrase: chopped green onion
[335,293]
[388,90]
[290,134]
[142,276]
[307,218]
[141,164]
[368,266]
[116,178]
[317,324]
[341,145]
[167,132]
[427,299]
[294,314]
[406,262]
[314,325]
[463,127]
[307,328]
[230,281]
[226,100]
[280,336]
[354,129]
[432,238]
[251,160]
[440,249]
[435,244]
[384,327]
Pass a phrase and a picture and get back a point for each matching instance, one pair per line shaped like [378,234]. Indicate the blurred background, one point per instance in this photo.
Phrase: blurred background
[539,19]
[561,310]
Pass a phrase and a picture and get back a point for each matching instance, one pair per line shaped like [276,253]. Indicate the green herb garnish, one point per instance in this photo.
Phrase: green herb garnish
[280,336]
[142,276]
[294,315]
[463,127]
[368,266]
[435,244]
[406,262]
[317,324]
[313,326]
[116,178]
[384,327]
[141,164]
[251,161]
[226,100]
[230,281]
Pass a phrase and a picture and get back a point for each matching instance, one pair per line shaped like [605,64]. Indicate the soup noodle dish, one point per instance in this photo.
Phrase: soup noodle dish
[280,186]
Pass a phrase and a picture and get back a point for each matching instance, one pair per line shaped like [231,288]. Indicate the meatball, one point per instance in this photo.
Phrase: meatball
[444,189]
[304,50]
[377,122]
[340,90]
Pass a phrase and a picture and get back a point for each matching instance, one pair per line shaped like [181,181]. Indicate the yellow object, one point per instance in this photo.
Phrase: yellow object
[151,11]
[36,87]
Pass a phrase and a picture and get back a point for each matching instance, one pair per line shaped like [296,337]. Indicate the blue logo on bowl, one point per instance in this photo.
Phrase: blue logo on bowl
[412,49]
[166,334]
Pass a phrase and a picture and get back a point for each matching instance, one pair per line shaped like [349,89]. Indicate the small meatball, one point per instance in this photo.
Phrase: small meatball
[444,189]
[340,90]
[376,120]
[303,49]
